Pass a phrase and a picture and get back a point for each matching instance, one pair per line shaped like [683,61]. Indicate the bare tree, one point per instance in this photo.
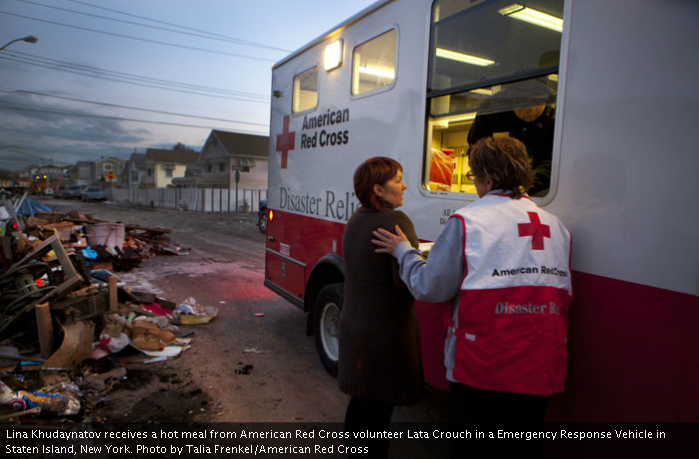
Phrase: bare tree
[179,146]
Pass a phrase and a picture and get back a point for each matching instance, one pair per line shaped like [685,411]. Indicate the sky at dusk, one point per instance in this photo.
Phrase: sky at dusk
[107,77]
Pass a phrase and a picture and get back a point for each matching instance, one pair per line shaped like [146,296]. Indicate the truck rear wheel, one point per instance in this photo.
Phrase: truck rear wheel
[326,324]
[262,222]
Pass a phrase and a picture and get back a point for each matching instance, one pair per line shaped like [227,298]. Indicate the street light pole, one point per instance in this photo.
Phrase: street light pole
[28,39]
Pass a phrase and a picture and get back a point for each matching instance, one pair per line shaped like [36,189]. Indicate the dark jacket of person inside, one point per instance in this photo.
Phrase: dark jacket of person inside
[523,110]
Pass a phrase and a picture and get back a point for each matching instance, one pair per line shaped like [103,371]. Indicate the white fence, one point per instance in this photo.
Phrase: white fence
[201,199]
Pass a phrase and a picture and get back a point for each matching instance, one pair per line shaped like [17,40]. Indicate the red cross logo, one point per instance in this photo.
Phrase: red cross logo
[536,230]
[285,141]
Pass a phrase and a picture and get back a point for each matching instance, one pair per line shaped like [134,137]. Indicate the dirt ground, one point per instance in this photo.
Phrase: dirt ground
[253,363]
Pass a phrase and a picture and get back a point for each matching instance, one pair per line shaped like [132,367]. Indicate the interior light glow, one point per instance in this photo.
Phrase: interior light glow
[333,55]
[466,117]
[377,72]
[465,58]
[532,16]
[443,123]
[483,91]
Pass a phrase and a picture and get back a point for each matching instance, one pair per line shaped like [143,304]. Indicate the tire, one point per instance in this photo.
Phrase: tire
[326,323]
[262,222]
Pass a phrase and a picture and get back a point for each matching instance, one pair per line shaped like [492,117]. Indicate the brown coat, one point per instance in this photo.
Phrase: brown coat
[379,353]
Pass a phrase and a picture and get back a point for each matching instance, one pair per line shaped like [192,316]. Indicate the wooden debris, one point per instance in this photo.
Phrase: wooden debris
[76,347]
[45,328]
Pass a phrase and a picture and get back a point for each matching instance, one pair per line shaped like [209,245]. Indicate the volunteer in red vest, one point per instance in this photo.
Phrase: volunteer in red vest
[504,263]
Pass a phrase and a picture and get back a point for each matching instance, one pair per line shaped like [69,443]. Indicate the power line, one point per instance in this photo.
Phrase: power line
[115,118]
[25,155]
[105,104]
[134,76]
[53,67]
[122,77]
[138,39]
[171,24]
[205,35]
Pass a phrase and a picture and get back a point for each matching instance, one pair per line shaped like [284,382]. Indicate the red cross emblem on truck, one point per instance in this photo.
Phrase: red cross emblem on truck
[285,141]
[536,230]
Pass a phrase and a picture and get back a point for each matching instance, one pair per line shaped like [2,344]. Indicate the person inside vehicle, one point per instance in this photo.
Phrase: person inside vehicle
[529,117]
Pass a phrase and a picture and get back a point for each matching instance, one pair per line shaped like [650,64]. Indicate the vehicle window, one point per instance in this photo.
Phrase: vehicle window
[305,95]
[374,63]
[493,72]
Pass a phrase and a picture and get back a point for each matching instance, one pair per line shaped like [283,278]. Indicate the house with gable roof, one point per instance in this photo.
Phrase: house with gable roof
[163,165]
[109,169]
[135,170]
[225,153]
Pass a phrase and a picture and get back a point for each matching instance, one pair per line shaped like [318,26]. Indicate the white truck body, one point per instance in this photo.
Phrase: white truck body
[623,177]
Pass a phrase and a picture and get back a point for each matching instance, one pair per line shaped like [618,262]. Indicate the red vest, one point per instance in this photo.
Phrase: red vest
[515,296]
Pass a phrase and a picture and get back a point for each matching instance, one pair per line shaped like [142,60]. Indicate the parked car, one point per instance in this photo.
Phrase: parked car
[59,191]
[72,192]
[93,193]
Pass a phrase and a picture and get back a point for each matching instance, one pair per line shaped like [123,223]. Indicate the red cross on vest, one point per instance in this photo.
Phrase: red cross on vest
[285,141]
[536,230]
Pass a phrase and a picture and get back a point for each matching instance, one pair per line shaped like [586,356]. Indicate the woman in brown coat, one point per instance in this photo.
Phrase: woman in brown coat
[379,342]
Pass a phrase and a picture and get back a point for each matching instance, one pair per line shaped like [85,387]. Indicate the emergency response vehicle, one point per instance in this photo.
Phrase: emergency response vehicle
[406,79]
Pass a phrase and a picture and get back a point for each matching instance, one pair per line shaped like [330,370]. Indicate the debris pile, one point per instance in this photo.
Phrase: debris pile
[63,310]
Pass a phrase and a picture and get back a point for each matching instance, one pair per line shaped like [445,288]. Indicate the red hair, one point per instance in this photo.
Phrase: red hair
[376,170]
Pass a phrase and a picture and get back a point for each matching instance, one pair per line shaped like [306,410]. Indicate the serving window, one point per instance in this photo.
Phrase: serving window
[493,72]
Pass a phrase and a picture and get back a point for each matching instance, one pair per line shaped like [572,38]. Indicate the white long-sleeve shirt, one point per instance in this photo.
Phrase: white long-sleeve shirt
[437,279]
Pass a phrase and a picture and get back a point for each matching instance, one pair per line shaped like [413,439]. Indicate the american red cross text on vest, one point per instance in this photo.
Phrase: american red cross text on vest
[536,230]
[285,141]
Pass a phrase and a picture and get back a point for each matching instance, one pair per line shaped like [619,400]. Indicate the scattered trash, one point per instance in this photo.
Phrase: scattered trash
[23,413]
[100,381]
[109,345]
[191,313]
[56,404]
[210,312]
[245,370]
[190,306]
[103,276]
[65,314]
[167,351]
[148,336]
[253,350]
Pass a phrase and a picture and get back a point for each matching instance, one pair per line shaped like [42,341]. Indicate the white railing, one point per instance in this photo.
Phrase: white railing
[199,199]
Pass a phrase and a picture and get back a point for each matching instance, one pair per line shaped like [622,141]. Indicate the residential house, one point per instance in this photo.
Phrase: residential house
[135,170]
[109,169]
[226,153]
[162,166]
